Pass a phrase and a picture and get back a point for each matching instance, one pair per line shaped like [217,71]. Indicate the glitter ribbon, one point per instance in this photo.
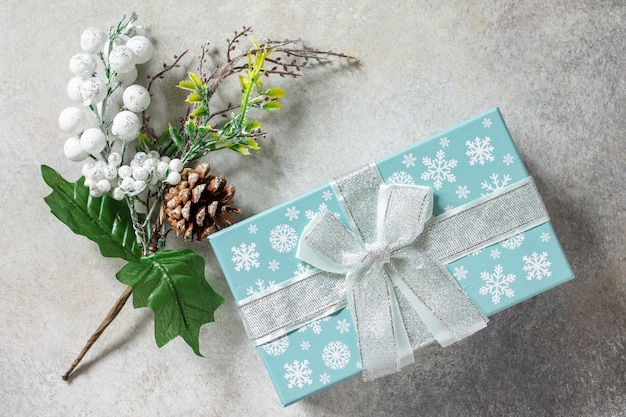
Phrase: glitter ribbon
[387,266]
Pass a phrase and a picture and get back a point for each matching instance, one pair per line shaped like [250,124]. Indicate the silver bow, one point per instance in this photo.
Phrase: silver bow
[396,292]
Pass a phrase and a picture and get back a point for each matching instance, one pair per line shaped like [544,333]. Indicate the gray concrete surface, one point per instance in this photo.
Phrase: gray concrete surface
[556,69]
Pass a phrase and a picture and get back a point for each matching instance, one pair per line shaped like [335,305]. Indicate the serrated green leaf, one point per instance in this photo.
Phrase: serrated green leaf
[272,105]
[177,137]
[199,112]
[102,220]
[191,127]
[275,92]
[172,284]
[196,80]
[187,85]
[255,124]
[194,98]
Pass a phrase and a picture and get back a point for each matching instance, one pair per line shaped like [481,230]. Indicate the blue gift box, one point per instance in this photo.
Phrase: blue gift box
[462,164]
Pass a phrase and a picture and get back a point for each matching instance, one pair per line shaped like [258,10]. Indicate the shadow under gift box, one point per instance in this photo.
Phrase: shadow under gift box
[461,165]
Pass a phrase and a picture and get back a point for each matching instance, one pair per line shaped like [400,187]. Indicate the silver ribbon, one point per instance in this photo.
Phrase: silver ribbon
[387,266]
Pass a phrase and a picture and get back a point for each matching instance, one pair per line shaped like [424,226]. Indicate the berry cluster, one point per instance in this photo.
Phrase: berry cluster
[105,117]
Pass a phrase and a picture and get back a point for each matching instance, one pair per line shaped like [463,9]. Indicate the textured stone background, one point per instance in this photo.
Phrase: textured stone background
[556,71]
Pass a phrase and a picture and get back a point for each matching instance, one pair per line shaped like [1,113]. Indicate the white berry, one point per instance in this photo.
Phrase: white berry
[126,125]
[118,193]
[114,159]
[162,168]
[142,47]
[73,151]
[92,40]
[136,98]
[122,59]
[73,89]
[93,90]
[72,120]
[93,141]
[128,184]
[124,171]
[176,165]
[83,65]
[141,174]
[173,178]
[110,172]
[103,185]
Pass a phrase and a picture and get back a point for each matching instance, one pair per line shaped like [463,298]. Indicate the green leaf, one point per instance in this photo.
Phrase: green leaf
[272,105]
[255,124]
[197,81]
[187,85]
[194,98]
[172,284]
[103,220]
[177,137]
[191,127]
[275,92]
[199,112]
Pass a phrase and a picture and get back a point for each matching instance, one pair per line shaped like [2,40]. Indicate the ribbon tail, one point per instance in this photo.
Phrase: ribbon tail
[384,344]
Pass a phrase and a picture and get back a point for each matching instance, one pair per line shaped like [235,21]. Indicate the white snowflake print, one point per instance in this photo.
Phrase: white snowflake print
[508,159]
[277,347]
[336,355]
[274,265]
[462,191]
[315,326]
[305,345]
[444,142]
[292,213]
[245,257]
[260,286]
[537,266]
[460,272]
[324,378]
[252,229]
[478,252]
[359,365]
[513,242]
[497,284]
[327,195]
[309,214]
[479,150]
[400,177]
[298,374]
[283,238]
[409,160]
[495,254]
[487,123]
[343,326]
[302,269]
[496,183]
[545,236]
[448,208]
[439,169]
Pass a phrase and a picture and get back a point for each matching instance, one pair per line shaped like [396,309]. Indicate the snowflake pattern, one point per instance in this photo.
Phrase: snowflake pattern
[324,378]
[245,257]
[444,142]
[439,169]
[545,236]
[400,177]
[292,213]
[496,183]
[309,214]
[359,365]
[497,284]
[277,347]
[283,238]
[537,266]
[336,355]
[315,326]
[487,122]
[495,254]
[327,195]
[409,160]
[302,269]
[298,374]
[343,326]
[507,159]
[305,345]
[259,286]
[460,272]
[513,242]
[479,150]
[462,191]
[252,229]
[274,265]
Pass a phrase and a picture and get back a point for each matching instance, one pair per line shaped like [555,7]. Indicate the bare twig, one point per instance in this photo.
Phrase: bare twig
[115,310]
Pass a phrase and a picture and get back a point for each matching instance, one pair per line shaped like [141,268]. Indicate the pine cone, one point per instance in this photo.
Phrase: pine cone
[200,204]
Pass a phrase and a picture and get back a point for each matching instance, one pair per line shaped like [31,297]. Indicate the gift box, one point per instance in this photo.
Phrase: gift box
[327,285]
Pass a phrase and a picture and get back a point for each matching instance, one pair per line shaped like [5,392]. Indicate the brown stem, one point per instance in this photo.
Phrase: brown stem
[117,307]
